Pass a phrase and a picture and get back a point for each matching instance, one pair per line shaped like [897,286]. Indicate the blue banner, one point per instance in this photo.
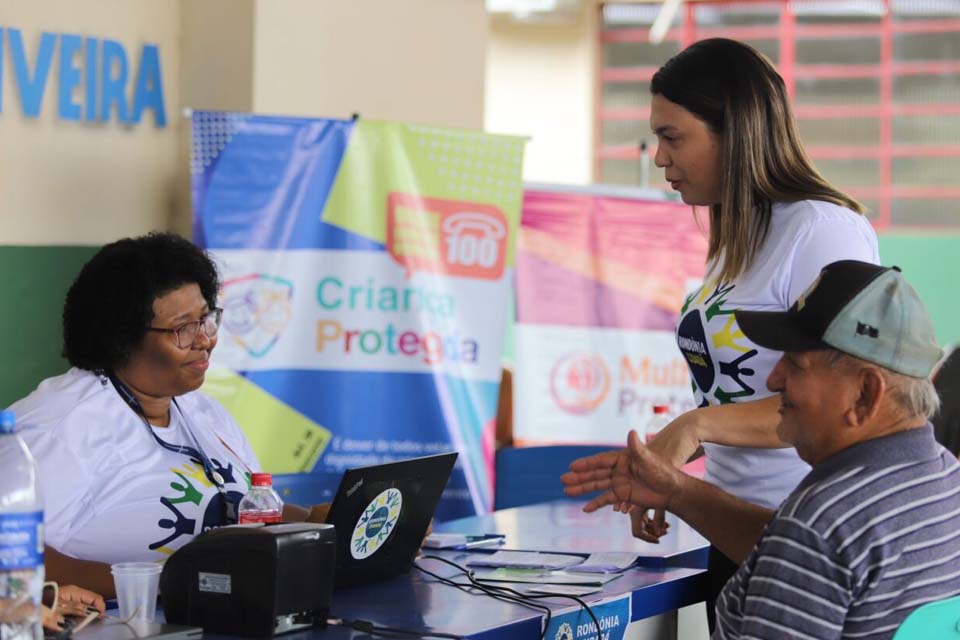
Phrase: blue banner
[367,270]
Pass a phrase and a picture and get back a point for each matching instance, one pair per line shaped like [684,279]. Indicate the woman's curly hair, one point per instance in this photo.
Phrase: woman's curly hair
[110,304]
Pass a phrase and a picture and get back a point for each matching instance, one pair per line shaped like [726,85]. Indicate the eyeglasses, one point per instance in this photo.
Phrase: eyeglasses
[186,334]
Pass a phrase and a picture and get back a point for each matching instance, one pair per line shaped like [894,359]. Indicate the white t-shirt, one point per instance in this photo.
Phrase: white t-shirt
[726,367]
[111,492]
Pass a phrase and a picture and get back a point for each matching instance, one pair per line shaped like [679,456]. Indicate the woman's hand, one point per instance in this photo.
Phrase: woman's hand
[71,601]
[74,601]
[676,443]
[318,513]
[50,619]
[679,441]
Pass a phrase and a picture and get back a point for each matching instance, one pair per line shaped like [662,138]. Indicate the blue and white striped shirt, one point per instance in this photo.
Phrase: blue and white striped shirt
[871,533]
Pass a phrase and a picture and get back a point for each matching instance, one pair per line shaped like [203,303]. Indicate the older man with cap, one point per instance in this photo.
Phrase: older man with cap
[872,532]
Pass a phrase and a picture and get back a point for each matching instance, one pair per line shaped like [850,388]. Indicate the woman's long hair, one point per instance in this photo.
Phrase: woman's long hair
[737,92]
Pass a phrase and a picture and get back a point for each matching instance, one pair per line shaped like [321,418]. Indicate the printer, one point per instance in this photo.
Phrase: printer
[253,581]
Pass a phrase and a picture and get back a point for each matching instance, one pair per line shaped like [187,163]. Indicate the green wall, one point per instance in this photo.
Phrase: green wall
[33,284]
[931,263]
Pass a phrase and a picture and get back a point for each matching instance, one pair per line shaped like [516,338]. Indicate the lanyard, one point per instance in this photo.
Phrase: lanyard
[196,454]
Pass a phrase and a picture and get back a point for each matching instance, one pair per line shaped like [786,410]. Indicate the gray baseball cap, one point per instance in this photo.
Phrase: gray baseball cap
[862,309]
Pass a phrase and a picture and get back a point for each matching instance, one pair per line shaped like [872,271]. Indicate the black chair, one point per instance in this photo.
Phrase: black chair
[946,380]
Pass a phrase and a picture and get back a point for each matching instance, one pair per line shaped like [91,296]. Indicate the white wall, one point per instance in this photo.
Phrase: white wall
[216,73]
[65,182]
[412,60]
[540,83]
[70,183]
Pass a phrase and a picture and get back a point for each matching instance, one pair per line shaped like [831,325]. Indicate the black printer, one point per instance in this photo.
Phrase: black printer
[253,581]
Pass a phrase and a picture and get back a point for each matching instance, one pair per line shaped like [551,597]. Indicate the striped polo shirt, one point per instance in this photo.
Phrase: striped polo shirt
[872,533]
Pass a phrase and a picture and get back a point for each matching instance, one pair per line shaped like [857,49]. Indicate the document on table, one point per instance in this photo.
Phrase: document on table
[539,576]
[526,560]
[606,562]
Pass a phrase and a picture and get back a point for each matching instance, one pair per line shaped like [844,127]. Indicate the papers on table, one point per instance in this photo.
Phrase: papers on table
[551,568]
[606,562]
[541,576]
[526,560]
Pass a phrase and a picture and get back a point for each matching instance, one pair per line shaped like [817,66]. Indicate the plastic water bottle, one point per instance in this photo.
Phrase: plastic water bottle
[261,504]
[661,417]
[21,537]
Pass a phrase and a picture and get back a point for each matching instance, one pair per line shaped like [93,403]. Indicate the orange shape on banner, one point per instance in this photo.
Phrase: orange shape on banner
[449,237]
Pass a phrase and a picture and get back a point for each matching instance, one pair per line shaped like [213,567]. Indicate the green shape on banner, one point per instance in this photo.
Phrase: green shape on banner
[430,162]
[285,440]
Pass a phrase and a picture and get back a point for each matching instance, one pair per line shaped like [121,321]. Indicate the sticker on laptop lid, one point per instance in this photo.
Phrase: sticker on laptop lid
[376,524]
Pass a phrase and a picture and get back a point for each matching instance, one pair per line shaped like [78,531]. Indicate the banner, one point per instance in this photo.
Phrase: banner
[601,278]
[367,270]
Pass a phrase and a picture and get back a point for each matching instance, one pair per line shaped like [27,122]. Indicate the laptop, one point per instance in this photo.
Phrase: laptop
[381,514]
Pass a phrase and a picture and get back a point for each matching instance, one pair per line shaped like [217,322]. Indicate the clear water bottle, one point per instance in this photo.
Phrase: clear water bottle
[261,504]
[661,417]
[21,537]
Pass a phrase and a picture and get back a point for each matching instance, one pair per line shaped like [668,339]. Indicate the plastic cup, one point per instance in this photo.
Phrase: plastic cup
[136,584]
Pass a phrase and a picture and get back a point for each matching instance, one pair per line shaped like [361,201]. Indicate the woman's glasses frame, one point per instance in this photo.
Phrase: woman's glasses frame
[186,334]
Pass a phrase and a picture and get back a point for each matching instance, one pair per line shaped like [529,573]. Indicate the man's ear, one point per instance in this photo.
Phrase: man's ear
[872,386]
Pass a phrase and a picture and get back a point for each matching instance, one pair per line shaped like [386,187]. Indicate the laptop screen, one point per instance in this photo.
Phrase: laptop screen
[381,514]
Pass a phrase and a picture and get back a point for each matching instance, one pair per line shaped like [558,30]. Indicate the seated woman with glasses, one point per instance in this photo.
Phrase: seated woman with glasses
[133,461]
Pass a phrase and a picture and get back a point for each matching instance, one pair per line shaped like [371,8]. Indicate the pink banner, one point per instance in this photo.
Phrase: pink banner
[600,283]
[594,261]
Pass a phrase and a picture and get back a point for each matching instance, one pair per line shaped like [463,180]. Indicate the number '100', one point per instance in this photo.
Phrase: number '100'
[469,250]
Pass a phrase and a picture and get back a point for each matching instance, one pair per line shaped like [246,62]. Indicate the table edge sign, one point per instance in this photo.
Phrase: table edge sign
[576,624]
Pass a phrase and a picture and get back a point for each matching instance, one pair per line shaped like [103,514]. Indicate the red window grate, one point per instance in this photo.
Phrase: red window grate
[875,86]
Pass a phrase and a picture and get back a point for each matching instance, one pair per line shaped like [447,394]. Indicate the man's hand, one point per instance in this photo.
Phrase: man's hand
[631,477]
[647,527]
[676,443]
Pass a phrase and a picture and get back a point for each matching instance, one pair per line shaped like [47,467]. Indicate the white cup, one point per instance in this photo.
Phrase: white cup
[136,584]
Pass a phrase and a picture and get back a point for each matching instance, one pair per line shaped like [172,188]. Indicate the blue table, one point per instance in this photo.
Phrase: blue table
[416,601]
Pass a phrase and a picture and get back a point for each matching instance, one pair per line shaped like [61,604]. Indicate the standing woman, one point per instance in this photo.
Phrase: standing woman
[727,140]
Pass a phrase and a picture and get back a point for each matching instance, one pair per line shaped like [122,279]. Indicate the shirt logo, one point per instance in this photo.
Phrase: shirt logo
[716,350]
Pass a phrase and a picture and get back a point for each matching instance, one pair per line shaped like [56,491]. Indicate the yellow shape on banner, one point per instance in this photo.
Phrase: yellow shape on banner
[285,440]
[426,162]
[417,234]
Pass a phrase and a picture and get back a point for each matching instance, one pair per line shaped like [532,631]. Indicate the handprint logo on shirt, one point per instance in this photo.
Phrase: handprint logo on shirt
[197,500]
[715,348]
